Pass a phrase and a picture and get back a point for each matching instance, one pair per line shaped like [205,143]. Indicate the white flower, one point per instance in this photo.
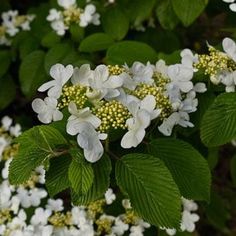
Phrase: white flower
[54,15]
[59,27]
[142,73]
[180,76]
[15,130]
[79,217]
[89,16]
[6,122]
[119,227]
[5,195]
[106,85]
[78,116]
[82,75]
[6,168]
[61,75]
[55,205]
[181,118]
[189,205]
[66,3]
[143,112]
[47,109]
[188,59]
[161,67]
[229,80]
[188,221]
[89,139]
[126,203]
[40,216]
[232,7]
[110,197]
[229,47]
[3,144]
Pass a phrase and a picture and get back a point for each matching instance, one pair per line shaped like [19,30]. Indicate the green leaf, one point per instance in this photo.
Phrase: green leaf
[36,146]
[77,33]
[57,175]
[166,14]
[63,53]
[119,20]
[7,91]
[5,61]
[187,166]
[216,211]
[101,181]
[151,189]
[188,10]
[233,170]
[28,45]
[130,51]
[96,42]
[80,172]
[50,39]
[32,73]
[218,125]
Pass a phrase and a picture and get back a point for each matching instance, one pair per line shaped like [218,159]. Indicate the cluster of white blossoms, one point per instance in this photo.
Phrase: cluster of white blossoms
[120,98]
[189,218]
[26,210]
[220,66]
[232,4]
[13,23]
[71,13]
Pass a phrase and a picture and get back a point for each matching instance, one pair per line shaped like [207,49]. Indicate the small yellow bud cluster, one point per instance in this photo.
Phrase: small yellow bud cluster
[75,93]
[162,101]
[2,30]
[113,116]
[32,181]
[19,20]
[5,216]
[72,15]
[160,80]
[59,219]
[130,217]
[95,208]
[214,62]
[115,70]
[104,226]
[10,151]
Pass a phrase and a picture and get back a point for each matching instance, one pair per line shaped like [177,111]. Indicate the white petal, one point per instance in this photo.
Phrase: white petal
[38,105]
[46,86]
[229,47]
[129,140]
[57,115]
[200,87]
[148,103]
[66,3]
[232,7]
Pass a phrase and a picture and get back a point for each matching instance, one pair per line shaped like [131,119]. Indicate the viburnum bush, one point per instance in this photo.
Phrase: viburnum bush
[123,117]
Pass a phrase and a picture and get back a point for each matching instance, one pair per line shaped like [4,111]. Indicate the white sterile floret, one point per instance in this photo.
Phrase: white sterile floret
[82,75]
[188,221]
[161,67]
[189,205]
[61,75]
[78,116]
[119,227]
[110,197]
[3,144]
[188,59]
[54,15]
[143,112]
[89,139]
[55,205]
[47,109]
[142,73]
[15,131]
[40,216]
[104,84]
[5,170]
[229,47]
[126,203]
[89,16]
[66,3]
[180,76]
[6,122]
[59,27]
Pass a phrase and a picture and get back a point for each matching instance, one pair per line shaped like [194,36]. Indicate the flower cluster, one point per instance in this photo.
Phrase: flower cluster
[12,23]
[121,98]
[220,66]
[188,217]
[71,13]
[232,4]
